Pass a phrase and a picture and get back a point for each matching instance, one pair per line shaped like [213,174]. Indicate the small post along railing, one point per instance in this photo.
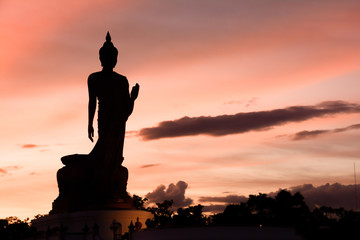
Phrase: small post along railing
[116,228]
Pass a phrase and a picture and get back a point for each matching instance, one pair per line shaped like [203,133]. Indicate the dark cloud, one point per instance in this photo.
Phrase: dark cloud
[215,208]
[309,134]
[352,127]
[244,122]
[173,192]
[149,165]
[315,133]
[335,195]
[227,199]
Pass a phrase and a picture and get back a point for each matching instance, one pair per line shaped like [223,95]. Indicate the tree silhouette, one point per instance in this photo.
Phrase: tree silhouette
[191,216]
[139,202]
[12,228]
[162,214]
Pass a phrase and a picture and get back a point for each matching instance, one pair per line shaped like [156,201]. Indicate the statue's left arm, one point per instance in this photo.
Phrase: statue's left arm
[91,106]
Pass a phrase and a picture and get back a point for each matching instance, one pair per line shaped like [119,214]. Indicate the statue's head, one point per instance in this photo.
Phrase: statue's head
[108,53]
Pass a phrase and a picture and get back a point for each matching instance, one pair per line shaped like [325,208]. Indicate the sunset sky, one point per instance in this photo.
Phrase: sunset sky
[236,97]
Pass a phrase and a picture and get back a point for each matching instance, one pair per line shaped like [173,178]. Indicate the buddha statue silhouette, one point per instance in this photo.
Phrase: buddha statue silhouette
[98,180]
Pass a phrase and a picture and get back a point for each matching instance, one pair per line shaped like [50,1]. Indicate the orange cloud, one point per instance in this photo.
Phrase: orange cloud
[32,146]
[7,170]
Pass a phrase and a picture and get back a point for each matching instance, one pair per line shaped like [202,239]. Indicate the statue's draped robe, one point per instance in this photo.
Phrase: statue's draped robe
[115,106]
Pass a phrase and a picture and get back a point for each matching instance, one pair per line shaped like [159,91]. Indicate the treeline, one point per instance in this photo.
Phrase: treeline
[284,210]
[12,228]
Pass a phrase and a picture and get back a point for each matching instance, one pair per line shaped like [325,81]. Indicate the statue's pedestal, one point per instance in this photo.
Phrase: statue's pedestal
[101,224]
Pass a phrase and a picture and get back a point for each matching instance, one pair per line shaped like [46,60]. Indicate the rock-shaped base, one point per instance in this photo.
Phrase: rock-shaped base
[84,186]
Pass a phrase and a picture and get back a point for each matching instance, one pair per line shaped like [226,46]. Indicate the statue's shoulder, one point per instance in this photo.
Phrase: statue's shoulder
[94,75]
[93,78]
[121,77]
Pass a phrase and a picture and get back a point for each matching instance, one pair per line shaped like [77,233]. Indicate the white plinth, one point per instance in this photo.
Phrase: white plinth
[76,222]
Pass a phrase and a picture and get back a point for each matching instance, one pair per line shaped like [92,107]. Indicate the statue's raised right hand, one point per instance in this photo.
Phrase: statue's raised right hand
[135,92]
[91,133]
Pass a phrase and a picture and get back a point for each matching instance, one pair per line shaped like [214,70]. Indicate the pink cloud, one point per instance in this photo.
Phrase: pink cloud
[173,192]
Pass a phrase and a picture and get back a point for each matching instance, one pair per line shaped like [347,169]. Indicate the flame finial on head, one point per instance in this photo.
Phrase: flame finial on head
[108,53]
[108,38]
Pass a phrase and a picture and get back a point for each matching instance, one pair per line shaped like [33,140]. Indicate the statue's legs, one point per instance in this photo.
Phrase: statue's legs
[108,157]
